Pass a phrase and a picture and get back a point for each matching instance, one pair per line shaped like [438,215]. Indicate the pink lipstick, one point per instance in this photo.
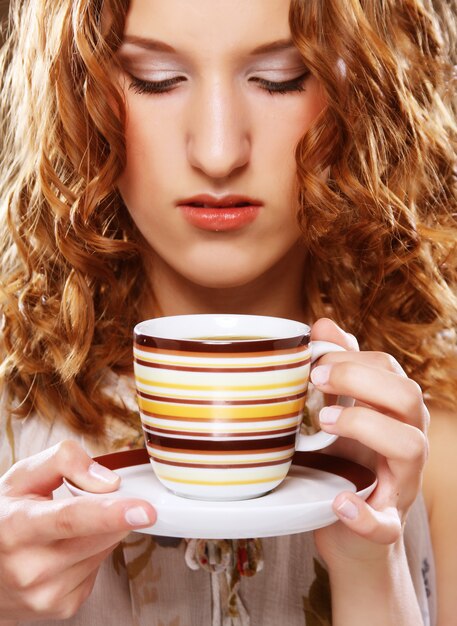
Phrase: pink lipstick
[219,213]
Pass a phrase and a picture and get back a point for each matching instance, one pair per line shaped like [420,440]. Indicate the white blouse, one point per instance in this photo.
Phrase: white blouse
[157,581]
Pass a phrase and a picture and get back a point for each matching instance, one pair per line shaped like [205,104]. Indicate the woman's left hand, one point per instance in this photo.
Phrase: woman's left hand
[390,419]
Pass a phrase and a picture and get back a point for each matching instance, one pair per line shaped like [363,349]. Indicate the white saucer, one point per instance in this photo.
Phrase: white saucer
[301,503]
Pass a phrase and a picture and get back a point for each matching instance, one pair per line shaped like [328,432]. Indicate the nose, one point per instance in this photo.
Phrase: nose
[218,140]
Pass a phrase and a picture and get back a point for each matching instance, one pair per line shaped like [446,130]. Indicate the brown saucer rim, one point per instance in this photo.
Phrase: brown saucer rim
[361,476]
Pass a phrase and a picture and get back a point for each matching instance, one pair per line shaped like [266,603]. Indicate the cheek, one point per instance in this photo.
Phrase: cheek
[291,122]
[150,143]
[289,129]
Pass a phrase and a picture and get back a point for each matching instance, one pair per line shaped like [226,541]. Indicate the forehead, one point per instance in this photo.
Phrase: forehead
[209,25]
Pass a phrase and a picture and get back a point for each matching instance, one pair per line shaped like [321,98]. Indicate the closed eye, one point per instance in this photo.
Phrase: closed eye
[296,84]
[154,86]
[282,87]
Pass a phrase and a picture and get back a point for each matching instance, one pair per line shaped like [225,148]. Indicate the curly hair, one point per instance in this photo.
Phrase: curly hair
[380,231]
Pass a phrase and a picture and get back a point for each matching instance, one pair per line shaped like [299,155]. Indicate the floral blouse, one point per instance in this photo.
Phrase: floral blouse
[164,581]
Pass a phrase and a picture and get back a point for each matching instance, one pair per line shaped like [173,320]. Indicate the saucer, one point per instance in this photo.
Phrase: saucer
[303,502]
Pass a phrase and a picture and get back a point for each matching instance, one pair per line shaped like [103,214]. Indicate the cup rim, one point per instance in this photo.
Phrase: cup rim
[148,333]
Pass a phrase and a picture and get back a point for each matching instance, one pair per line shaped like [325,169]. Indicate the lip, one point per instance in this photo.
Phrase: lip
[220,213]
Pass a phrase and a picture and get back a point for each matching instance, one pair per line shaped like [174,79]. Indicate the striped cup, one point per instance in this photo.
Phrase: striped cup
[221,401]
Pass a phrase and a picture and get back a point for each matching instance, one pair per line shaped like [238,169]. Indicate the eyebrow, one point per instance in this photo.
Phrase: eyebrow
[155,45]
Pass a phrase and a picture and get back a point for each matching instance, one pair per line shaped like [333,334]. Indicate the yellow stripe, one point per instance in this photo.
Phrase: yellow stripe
[220,412]
[172,385]
[220,483]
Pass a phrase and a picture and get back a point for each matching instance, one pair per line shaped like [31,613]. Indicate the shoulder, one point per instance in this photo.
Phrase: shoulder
[440,489]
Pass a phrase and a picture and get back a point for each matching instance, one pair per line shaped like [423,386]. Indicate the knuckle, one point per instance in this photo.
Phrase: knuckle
[369,527]
[18,577]
[416,448]
[67,450]
[414,397]
[344,373]
[348,418]
[24,580]
[12,521]
[425,418]
[71,607]
[38,601]
[64,523]
[388,362]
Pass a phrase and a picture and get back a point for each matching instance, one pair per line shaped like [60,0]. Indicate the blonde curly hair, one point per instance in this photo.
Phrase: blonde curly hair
[380,232]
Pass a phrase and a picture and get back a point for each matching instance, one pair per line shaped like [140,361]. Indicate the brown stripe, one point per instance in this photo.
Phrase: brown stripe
[210,452]
[224,370]
[226,355]
[260,433]
[173,443]
[214,466]
[361,476]
[225,346]
[221,401]
[207,420]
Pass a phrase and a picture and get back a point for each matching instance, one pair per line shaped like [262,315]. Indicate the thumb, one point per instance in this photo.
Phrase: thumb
[40,474]
[326,330]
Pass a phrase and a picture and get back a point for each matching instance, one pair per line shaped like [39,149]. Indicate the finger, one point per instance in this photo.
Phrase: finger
[45,570]
[77,597]
[385,435]
[32,522]
[398,396]
[40,474]
[378,360]
[75,550]
[62,598]
[46,562]
[382,527]
[326,330]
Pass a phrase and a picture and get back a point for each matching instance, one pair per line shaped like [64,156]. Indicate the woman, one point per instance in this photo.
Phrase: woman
[279,158]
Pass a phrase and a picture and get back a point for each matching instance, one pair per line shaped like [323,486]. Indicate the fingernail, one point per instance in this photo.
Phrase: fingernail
[320,374]
[102,473]
[348,510]
[329,414]
[137,516]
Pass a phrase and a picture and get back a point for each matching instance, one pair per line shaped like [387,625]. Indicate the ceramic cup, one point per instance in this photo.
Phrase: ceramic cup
[221,401]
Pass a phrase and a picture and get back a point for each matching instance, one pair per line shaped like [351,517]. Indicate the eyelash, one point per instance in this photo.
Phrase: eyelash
[165,86]
[289,86]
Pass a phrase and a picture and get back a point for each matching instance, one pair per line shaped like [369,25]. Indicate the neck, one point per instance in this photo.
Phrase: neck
[278,292]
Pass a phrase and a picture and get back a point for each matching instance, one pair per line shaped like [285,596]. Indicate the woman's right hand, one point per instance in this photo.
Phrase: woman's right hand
[50,550]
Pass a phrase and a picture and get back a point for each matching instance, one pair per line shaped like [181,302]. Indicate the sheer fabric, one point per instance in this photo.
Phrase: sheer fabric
[152,581]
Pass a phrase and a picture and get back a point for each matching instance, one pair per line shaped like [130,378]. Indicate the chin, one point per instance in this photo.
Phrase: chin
[221,281]
[215,276]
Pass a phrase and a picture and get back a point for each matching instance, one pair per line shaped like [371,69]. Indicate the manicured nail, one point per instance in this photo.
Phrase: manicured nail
[137,516]
[348,510]
[102,473]
[320,374]
[329,414]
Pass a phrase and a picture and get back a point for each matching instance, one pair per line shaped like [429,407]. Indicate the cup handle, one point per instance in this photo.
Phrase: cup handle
[321,439]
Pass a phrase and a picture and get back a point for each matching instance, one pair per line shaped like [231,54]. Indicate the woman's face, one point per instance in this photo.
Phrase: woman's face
[217,99]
